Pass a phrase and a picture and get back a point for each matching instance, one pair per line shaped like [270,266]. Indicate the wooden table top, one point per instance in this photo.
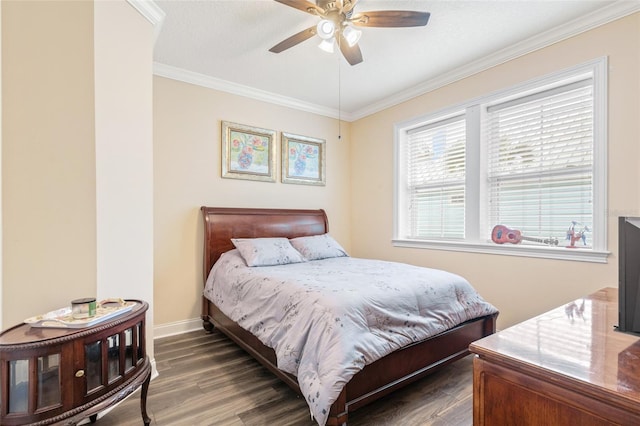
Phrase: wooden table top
[577,343]
[21,334]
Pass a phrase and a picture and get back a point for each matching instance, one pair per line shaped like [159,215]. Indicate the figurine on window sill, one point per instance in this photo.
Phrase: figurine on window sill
[574,235]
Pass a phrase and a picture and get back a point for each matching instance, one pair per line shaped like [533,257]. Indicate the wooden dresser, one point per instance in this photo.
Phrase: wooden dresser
[565,367]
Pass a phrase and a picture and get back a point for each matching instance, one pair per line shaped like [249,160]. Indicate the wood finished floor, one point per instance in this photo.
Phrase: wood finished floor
[206,379]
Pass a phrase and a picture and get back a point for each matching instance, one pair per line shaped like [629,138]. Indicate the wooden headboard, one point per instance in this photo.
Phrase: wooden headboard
[222,224]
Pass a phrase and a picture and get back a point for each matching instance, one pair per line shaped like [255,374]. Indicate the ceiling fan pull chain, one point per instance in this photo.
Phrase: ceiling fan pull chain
[339,96]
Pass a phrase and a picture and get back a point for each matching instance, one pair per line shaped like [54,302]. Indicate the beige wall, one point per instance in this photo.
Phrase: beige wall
[520,287]
[1,239]
[124,154]
[77,153]
[187,170]
[48,169]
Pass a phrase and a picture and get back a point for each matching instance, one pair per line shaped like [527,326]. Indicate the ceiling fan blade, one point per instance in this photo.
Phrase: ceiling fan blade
[352,54]
[391,18]
[303,5]
[294,39]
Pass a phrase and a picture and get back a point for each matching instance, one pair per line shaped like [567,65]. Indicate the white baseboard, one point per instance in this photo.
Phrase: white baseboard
[154,370]
[178,327]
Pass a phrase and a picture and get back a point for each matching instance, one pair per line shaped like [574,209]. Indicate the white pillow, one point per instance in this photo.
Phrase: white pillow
[318,247]
[267,251]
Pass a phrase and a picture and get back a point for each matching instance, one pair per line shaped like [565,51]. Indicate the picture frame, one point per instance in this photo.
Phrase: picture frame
[248,152]
[303,160]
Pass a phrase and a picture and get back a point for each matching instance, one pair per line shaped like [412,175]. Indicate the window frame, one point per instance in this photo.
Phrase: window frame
[475,172]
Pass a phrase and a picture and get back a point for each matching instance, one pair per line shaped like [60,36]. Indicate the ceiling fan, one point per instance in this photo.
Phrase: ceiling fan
[337,23]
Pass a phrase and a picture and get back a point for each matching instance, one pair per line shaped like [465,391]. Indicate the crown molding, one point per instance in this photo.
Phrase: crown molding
[588,22]
[191,77]
[151,12]
[572,28]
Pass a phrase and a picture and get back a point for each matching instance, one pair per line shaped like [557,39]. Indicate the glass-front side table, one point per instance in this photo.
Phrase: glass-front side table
[51,375]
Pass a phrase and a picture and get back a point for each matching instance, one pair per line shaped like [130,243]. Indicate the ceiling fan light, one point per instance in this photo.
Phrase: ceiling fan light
[325,29]
[352,35]
[327,45]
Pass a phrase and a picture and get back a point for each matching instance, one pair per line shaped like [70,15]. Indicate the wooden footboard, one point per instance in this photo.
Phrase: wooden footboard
[376,380]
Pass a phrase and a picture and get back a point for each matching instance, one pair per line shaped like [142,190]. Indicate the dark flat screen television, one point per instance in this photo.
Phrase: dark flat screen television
[629,275]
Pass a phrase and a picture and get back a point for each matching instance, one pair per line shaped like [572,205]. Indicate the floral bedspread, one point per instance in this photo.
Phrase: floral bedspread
[326,319]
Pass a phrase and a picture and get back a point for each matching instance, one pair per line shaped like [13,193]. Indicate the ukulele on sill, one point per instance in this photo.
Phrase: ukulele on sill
[502,234]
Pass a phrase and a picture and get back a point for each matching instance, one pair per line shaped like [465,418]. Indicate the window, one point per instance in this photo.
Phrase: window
[531,158]
[435,163]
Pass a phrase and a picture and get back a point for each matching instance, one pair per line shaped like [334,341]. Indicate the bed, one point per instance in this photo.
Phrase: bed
[376,379]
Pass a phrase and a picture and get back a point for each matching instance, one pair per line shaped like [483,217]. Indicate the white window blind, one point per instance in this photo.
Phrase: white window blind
[435,165]
[540,161]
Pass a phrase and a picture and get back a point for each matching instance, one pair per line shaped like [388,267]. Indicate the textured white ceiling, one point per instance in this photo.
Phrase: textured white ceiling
[228,41]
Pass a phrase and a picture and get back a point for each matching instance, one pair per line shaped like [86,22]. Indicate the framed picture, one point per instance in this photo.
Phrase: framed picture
[303,160]
[248,152]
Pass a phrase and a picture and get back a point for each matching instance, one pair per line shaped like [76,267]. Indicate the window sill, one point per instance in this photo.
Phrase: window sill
[544,252]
